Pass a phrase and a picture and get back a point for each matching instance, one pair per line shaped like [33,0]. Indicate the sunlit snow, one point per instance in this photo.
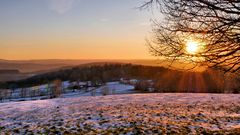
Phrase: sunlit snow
[124,114]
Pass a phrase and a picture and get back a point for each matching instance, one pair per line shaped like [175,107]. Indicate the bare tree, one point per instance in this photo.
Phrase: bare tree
[1,95]
[57,90]
[214,24]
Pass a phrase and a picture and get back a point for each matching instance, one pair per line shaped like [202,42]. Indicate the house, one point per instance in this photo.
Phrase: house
[133,81]
[82,84]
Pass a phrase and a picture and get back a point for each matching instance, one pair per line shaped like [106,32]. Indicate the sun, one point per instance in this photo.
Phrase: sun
[192,47]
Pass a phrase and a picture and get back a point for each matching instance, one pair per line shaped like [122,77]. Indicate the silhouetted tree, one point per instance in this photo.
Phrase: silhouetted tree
[1,95]
[215,24]
[165,80]
[4,94]
[23,92]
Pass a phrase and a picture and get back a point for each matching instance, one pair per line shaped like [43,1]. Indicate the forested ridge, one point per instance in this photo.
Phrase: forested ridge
[165,80]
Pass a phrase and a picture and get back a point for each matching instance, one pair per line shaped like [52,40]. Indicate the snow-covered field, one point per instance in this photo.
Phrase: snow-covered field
[110,88]
[124,114]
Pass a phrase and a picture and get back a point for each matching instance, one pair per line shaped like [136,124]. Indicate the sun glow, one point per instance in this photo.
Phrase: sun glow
[192,47]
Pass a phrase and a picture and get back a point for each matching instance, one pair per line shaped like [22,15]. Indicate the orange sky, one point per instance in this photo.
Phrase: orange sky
[69,30]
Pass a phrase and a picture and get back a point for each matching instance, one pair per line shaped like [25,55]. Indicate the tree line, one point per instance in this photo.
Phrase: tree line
[165,80]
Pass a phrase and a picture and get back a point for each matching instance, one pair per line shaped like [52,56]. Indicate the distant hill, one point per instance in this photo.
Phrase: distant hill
[9,71]
[36,66]
[165,80]
[30,68]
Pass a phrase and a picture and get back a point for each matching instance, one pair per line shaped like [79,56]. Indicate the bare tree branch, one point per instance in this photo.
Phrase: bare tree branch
[214,23]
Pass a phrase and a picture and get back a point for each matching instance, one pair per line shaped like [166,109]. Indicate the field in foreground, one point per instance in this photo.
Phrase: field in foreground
[124,114]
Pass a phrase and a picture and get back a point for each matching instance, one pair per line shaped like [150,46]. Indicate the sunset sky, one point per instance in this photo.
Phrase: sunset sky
[73,29]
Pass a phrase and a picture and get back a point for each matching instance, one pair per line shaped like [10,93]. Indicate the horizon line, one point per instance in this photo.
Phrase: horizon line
[71,59]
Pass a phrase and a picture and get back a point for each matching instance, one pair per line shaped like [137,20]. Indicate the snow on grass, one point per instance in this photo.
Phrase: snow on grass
[124,114]
[111,88]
